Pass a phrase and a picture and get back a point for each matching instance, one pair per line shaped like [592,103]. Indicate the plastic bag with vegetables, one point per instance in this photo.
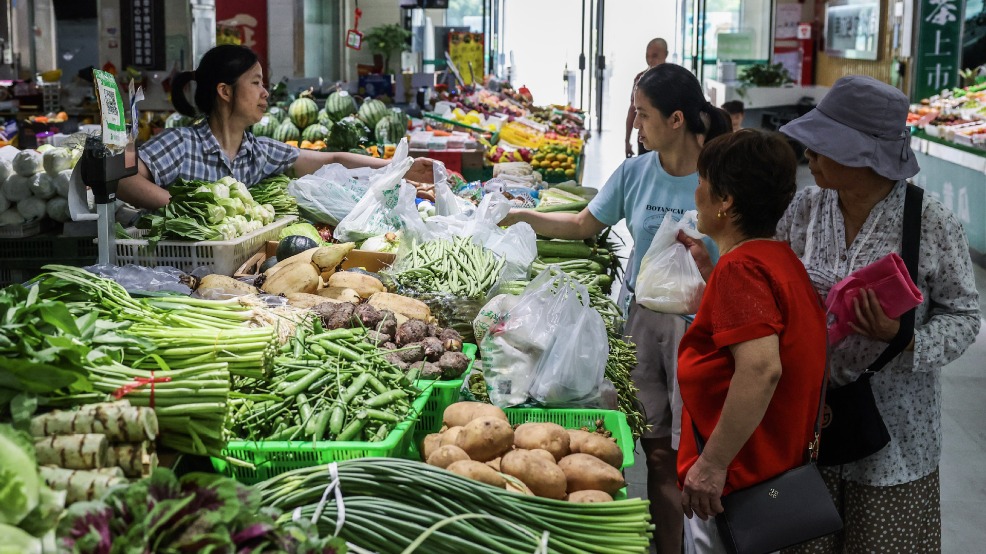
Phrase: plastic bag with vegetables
[385,207]
[26,163]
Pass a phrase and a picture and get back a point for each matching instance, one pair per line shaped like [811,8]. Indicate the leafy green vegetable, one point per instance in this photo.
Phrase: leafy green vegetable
[19,480]
[274,191]
[17,541]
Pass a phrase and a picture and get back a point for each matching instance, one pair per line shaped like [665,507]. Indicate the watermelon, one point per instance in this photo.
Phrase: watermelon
[265,127]
[371,112]
[278,114]
[303,111]
[286,131]
[401,116]
[324,118]
[348,133]
[340,104]
[390,130]
[315,131]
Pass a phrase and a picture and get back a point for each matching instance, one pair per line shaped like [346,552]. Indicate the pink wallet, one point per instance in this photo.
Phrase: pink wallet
[887,277]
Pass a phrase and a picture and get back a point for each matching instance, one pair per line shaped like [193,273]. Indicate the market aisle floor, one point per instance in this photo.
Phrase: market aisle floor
[963,481]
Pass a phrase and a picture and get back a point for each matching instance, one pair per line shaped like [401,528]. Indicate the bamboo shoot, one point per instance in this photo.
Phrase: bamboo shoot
[79,485]
[119,421]
[136,459]
[82,451]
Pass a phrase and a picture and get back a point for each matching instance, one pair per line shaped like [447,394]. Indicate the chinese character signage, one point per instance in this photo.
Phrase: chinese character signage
[852,29]
[245,22]
[939,47]
[143,33]
[466,51]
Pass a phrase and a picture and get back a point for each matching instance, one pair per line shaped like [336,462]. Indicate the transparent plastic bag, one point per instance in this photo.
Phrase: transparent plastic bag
[668,280]
[525,351]
[385,206]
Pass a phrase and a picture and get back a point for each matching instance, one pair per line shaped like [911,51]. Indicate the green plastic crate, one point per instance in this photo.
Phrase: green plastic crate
[443,395]
[272,458]
[614,421]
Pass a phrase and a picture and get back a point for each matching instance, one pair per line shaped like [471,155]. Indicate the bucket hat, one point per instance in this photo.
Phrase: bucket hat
[861,122]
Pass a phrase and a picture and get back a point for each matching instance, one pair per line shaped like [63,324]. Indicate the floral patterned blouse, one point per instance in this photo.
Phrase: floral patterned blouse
[908,389]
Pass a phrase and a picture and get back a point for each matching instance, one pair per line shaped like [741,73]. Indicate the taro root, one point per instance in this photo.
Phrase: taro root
[413,330]
[411,353]
[367,316]
[389,346]
[433,330]
[377,339]
[427,371]
[340,318]
[453,364]
[388,323]
[433,349]
[451,339]
[397,361]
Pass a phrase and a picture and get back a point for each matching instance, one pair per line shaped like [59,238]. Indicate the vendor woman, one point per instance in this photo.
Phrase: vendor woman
[231,96]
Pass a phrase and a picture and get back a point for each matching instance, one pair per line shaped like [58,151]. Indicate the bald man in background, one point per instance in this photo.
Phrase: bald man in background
[657,53]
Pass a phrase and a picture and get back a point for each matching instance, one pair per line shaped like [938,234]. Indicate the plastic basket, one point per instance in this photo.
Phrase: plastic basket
[221,256]
[443,395]
[614,421]
[272,458]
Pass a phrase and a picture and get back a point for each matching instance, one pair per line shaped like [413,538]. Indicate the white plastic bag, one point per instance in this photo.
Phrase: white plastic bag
[668,280]
[526,355]
[385,206]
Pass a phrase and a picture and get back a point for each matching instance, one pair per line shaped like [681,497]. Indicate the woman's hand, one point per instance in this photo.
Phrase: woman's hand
[423,171]
[699,252]
[702,491]
[629,149]
[871,321]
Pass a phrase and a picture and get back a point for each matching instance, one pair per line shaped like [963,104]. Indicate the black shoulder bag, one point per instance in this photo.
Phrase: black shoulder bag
[852,427]
[783,511]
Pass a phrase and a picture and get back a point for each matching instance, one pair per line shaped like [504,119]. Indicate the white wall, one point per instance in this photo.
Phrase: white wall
[280,39]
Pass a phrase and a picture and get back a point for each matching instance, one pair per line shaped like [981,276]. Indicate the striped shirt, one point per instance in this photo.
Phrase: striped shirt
[194,153]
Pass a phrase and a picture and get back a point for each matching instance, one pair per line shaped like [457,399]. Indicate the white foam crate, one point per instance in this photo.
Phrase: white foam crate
[221,256]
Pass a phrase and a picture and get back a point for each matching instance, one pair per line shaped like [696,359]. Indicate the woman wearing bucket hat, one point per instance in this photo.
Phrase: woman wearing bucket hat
[858,150]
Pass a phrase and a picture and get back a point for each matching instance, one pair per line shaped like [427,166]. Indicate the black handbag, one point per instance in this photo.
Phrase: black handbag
[783,511]
[852,427]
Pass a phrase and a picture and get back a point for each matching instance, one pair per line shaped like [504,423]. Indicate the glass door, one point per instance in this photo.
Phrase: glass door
[737,31]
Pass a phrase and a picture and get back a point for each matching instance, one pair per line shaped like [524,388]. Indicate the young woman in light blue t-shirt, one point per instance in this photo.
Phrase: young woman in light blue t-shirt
[673,120]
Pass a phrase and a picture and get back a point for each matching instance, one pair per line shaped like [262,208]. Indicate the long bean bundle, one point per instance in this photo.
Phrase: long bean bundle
[392,503]
[622,360]
[325,385]
[459,267]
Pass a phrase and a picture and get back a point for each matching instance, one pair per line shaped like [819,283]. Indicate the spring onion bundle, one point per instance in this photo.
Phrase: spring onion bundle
[391,504]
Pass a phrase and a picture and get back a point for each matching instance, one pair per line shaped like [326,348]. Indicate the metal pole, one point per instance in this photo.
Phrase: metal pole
[582,61]
[592,56]
[601,65]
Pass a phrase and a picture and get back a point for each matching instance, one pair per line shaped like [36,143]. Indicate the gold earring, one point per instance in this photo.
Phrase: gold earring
[720,215]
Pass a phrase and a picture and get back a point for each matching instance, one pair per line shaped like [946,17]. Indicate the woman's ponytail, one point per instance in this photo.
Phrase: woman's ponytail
[719,122]
[178,97]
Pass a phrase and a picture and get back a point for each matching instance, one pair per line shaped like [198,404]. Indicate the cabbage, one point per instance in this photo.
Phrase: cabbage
[57,209]
[31,207]
[386,243]
[19,480]
[43,186]
[17,187]
[10,217]
[63,181]
[19,541]
[56,160]
[5,170]
[26,163]
[216,214]
[44,148]
[301,229]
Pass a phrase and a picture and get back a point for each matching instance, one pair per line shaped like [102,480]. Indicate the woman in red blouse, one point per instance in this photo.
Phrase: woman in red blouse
[750,367]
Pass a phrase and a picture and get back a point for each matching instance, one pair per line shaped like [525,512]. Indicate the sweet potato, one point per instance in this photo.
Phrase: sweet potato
[603,448]
[548,436]
[431,443]
[446,456]
[485,438]
[478,471]
[544,478]
[450,435]
[587,497]
[575,439]
[585,472]
[462,413]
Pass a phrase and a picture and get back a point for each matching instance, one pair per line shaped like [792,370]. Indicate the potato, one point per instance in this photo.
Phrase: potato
[585,472]
[516,485]
[576,438]
[431,443]
[450,436]
[544,478]
[587,497]
[478,471]
[548,436]
[495,463]
[603,448]
[462,413]
[446,456]
[548,456]
[485,438]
